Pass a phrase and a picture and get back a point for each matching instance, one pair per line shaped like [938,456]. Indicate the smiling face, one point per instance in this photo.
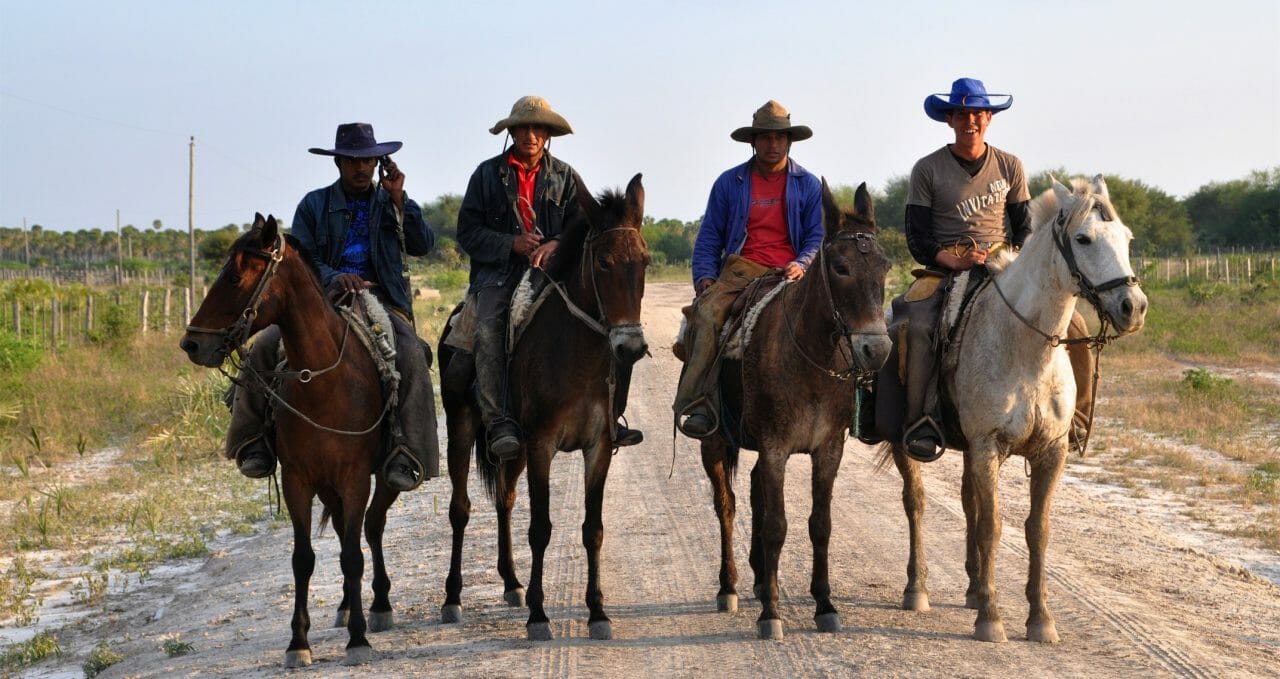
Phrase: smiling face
[969,124]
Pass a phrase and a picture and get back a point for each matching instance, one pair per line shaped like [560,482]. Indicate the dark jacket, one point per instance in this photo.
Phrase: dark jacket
[487,222]
[321,221]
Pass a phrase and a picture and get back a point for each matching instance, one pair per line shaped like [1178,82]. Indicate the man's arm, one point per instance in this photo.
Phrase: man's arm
[811,228]
[920,240]
[481,243]
[306,223]
[1019,221]
[708,247]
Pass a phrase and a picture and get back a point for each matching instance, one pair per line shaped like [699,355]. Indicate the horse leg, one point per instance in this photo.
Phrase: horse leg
[462,428]
[916,595]
[375,521]
[538,628]
[1045,471]
[715,461]
[826,462]
[354,501]
[971,512]
[333,509]
[755,555]
[770,474]
[298,500]
[595,472]
[512,590]
[984,470]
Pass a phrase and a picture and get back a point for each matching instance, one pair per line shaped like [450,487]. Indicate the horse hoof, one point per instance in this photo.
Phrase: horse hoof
[300,658]
[828,622]
[915,601]
[770,629]
[727,603]
[450,613]
[358,655]
[514,597]
[341,619]
[380,621]
[990,631]
[601,629]
[1045,632]
[971,601]
[539,631]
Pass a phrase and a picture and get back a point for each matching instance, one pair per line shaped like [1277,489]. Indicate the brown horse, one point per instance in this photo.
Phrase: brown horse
[793,392]
[563,371]
[328,418]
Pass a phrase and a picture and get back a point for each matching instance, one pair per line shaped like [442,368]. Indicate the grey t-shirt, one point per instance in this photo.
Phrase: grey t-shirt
[966,207]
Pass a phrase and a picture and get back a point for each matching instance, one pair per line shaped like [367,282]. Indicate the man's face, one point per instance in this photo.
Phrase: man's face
[970,124]
[528,141]
[772,147]
[356,173]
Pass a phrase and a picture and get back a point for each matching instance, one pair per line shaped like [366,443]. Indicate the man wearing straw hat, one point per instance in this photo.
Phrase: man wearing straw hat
[358,232]
[516,207]
[958,202]
[763,215]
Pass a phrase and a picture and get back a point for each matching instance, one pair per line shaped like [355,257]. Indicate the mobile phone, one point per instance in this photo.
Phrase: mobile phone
[382,165]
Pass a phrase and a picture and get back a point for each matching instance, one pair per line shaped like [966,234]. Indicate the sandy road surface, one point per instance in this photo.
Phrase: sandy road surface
[1130,600]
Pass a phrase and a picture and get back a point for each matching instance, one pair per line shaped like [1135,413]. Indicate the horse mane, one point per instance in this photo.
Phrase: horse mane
[1044,209]
[613,204]
[252,239]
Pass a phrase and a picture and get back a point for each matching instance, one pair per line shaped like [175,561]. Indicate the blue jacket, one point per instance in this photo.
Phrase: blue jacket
[321,221]
[724,225]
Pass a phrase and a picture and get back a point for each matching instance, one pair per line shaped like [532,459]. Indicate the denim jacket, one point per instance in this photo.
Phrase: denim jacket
[321,222]
[724,224]
[487,222]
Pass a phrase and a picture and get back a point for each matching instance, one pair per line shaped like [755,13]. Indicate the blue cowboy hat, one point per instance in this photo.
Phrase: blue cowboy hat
[355,140]
[965,93]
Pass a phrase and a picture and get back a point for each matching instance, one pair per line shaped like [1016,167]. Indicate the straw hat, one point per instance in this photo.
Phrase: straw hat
[533,110]
[771,117]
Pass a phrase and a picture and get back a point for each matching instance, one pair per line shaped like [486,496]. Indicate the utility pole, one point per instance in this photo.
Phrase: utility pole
[191,213]
[26,244]
[119,255]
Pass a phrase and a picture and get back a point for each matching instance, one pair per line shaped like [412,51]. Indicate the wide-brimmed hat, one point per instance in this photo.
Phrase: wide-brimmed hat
[965,93]
[533,110]
[771,117]
[356,140]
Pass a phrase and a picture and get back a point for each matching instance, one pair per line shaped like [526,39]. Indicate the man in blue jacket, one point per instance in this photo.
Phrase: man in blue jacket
[358,232]
[764,214]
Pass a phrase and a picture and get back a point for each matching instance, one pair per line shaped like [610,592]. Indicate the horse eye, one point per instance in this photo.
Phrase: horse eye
[1083,239]
[603,263]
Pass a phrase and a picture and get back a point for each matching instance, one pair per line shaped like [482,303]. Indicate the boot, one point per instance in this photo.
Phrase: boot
[1082,365]
[249,438]
[504,439]
[626,436]
[402,470]
[254,458]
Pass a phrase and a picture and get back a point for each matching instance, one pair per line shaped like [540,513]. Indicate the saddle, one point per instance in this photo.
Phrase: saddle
[528,297]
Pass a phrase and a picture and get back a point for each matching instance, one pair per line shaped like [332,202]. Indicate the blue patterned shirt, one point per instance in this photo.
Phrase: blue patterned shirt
[355,253]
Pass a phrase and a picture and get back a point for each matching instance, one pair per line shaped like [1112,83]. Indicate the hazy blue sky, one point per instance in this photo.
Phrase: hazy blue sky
[97,100]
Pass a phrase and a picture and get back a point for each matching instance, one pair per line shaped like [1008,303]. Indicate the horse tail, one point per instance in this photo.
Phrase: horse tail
[884,455]
[490,472]
[325,515]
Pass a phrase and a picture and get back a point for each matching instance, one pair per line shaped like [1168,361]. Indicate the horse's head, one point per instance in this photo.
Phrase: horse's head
[1095,244]
[242,299]
[615,258]
[854,266]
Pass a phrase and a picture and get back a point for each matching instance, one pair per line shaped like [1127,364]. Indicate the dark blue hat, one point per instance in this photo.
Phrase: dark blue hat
[965,93]
[356,141]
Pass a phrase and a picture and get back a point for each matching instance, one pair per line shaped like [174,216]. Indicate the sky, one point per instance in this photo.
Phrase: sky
[98,100]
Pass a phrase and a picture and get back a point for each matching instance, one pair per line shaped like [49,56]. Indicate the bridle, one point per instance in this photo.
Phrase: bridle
[864,241]
[599,325]
[234,335]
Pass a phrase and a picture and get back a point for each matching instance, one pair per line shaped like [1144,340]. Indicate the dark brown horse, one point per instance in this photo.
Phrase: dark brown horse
[793,392]
[562,375]
[328,422]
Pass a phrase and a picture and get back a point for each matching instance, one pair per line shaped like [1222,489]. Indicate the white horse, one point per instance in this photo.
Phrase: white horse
[1011,388]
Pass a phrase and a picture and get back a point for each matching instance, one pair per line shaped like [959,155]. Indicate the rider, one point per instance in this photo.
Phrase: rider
[765,214]
[357,232]
[516,207]
[958,200]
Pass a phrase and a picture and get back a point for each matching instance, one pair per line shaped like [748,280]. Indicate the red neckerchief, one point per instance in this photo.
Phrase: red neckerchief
[524,190]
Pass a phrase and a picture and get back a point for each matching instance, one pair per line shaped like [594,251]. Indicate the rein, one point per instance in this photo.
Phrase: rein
[597,326]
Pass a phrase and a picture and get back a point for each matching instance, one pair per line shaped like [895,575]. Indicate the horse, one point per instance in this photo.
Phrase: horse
[1012,391]
[328,420]
[793,391]
[563,372]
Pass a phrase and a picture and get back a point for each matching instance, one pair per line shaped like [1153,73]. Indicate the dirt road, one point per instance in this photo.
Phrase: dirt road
[1130,599]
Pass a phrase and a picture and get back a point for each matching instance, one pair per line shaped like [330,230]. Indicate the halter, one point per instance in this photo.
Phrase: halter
[234,335]
[863,241]
[599,326]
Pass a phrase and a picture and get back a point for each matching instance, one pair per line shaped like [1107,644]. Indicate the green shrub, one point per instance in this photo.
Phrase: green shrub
[35,649]
[100,658]
[17,356]
[118,326]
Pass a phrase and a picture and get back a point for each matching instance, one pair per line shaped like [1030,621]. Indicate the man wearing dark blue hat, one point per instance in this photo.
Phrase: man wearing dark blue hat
[957,204]
[358,232]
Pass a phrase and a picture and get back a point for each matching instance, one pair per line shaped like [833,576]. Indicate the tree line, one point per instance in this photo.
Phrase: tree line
[1242,213]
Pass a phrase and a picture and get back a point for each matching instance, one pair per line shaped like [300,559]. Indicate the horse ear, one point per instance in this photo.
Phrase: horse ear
[830,211]
[862,204]
[258,220]
[1100,186]
[635,199]
[1062,193]
[270,230]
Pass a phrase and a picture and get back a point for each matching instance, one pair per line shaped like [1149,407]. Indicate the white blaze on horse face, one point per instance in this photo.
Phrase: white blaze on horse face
[628,343]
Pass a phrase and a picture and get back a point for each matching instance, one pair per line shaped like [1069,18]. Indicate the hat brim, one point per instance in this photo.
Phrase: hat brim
[795,133]
[554,122]
[385,148]
[936,107]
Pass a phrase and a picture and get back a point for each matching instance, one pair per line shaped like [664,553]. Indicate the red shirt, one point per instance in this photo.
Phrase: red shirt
[524,190]
[768,241]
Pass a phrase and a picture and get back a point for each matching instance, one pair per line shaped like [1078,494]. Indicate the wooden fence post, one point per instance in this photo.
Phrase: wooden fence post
[88,315]
[146,297]
[168,300]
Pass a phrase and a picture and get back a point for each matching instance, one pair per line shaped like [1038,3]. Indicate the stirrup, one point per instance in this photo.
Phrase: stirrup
[239,456]
[932,430]
[710,414]
[415,467]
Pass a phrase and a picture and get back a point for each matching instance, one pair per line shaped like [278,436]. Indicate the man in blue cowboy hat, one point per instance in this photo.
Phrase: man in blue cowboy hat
[957,204]
[763,215]
[516,207]
[358,232]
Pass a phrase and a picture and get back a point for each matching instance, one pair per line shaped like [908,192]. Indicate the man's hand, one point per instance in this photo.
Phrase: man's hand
[971,258]
[703,284]
[349,282]
[543,253]
[525,244]
[392,179]
[793,271]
